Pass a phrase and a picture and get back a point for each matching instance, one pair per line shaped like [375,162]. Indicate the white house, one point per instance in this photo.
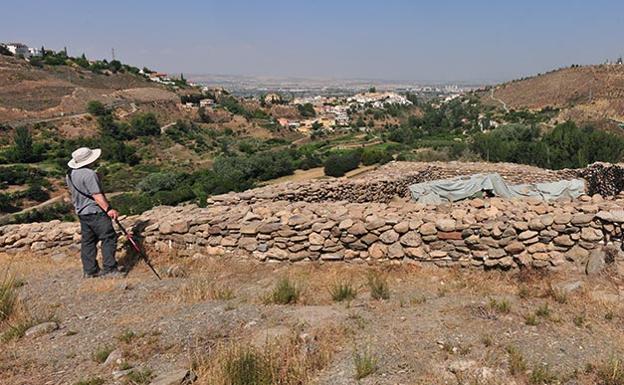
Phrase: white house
[34,51]
[18,49]
[206,102]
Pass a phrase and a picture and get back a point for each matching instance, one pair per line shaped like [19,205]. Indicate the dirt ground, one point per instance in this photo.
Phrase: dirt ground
[436,326]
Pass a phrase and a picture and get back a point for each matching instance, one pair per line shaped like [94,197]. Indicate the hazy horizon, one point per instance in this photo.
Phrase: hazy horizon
[449,41]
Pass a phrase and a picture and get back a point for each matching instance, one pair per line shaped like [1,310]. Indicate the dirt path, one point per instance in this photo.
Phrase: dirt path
[436,327]
[498,100]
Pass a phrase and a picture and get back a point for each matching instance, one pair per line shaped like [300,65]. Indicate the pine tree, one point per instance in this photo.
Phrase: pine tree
[23,145]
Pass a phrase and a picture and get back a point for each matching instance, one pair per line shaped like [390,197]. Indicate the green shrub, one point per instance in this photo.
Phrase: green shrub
[132,203]
[126,336]
[246,367]
[342,291]
[158,182]
[61,211]
[338,164]
[284,293]
[372,156]
[97,108]
[144,125]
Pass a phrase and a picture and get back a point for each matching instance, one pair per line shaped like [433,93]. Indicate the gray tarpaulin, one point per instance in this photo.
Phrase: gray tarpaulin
[455,189]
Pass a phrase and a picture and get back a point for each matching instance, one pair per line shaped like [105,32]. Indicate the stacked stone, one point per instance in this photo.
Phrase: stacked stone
[393,179]
[603,178]
[492,233]
[39,237]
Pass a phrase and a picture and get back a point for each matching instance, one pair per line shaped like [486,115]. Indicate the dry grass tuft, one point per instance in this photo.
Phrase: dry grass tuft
[501,306]
[201,289]
[101,353]
[516,361]
[342,291]
[8,296]
[378,286]
[284,293]
[365,364]
[291,361]
[610,372]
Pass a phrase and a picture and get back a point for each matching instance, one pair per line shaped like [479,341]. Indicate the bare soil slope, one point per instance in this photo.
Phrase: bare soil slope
[27,92]
[588,93]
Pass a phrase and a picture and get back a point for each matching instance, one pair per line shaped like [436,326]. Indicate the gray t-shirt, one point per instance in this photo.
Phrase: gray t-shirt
[87,181]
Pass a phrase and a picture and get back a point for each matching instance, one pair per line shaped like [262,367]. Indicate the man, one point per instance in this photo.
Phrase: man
[94,212]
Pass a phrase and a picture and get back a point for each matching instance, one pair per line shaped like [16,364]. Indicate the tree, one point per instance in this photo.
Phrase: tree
[372,89]
[306,110]
[23,145]
[97,108]
[115,66]
[82,61]
[144,125]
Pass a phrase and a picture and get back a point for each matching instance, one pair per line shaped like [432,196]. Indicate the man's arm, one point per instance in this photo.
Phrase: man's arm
[101,200]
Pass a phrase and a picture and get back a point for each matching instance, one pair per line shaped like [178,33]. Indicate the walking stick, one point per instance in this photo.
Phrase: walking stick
[136,247]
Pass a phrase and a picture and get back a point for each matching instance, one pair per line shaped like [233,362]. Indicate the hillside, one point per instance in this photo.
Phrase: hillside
[582,94]
[29,93]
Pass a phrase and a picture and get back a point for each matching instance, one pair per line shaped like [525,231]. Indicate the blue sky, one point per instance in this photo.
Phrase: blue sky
[444,40]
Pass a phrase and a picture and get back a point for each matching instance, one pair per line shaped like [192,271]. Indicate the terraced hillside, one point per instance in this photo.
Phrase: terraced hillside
[583,94]
[31,93]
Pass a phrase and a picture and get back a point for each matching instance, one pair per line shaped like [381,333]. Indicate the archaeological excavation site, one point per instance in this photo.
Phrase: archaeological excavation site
[412,273]
[378,217]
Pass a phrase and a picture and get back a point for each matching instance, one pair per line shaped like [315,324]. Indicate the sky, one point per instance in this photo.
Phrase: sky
[433,41]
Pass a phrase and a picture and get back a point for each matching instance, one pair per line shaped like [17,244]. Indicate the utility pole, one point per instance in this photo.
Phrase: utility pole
[113,52]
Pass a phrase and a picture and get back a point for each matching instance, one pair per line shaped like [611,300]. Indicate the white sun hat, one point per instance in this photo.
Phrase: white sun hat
[84,156]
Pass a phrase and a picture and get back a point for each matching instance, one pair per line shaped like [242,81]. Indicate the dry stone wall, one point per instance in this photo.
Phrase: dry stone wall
[308,226]
[478,233]
[392,180]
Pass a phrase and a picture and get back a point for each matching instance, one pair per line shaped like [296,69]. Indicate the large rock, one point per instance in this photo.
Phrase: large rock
[582,219]
[411,239]
[41,329]
[316,239]
[514,247]
[373,222]
[378,251]
[357,229]
[402,227]
[528,234]
[395,251]
[590,234]
[563,218]
[445,225]
[563,240]
[176,377]
[428,228]
[596,262]
[389,237]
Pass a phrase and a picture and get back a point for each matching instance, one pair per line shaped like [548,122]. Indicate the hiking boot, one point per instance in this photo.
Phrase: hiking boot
[112,274]
[90,275]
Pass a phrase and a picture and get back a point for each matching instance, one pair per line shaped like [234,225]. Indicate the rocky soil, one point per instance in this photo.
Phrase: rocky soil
[437,326]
